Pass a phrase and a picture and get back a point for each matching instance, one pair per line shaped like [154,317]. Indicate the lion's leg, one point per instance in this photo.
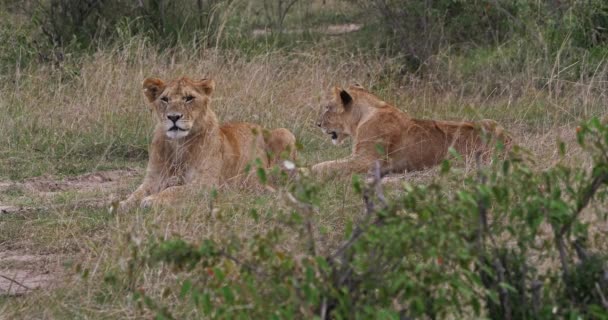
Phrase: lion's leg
[134,198]
[343,166]
[149,186]
[167,197]
[175,194]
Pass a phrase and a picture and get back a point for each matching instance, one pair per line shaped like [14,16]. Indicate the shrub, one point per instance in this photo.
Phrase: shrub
[83,23]
[410,254]
[420,29]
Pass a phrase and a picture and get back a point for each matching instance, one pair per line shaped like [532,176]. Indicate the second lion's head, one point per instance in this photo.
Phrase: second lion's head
[179,105]
[334,115]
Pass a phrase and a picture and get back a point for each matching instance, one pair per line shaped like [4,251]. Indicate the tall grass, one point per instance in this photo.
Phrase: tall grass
[91,109]
[88,113]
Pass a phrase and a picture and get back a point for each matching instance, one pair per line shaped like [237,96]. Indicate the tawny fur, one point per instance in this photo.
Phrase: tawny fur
[401,143]
[207,154]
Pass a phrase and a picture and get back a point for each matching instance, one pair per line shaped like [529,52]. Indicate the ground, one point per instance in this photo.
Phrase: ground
[23,268]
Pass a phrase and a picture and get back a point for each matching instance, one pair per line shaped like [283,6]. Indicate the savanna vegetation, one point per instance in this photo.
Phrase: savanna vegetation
[521,237]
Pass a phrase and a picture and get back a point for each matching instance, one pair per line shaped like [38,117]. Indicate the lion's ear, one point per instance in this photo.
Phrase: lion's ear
[346,98]
[153,87]
[205,86]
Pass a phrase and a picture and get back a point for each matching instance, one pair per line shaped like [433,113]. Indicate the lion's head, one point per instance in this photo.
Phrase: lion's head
[180,104]
[335,115]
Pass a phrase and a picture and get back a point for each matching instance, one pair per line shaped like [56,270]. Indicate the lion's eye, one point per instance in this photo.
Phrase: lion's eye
[189,98]
[164,99]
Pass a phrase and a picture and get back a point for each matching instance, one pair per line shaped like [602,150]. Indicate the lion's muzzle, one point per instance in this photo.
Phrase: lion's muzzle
[175,125]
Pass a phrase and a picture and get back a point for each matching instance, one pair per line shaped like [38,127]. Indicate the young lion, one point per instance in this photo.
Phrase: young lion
[190,148]
[383,132]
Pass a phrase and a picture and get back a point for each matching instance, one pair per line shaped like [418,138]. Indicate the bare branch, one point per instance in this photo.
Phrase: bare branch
[504,294]
[243,264]
[588,194]
[561,248]
[307,210]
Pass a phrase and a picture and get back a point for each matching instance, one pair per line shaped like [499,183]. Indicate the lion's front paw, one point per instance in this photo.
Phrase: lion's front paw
[120,206]
[124,206]
[147,202]
[318,168]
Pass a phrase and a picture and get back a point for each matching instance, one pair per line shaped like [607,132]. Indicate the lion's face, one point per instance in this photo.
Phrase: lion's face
[333,115]
[179,105]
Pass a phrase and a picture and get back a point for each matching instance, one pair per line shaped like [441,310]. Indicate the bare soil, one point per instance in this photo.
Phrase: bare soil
[334,29]
[22,270]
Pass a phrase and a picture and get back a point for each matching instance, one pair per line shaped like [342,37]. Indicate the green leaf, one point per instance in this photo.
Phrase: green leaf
[357,184]
[348,229]
[219,274]
[445,166]
[562,148]
[186,287]
[254,214]
[262,175]
[207,305]
[228,295]
[508,287]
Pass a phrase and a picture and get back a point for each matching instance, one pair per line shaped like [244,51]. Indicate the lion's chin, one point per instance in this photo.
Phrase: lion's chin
[176,134]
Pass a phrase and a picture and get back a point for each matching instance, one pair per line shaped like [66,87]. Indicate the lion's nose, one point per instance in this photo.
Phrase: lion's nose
[174,116]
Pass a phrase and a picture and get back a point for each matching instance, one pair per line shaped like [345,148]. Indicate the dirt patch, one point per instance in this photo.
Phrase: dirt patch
[21,270]
[90,181]
[101,184]
[334,29]
[21,273]
[13,209]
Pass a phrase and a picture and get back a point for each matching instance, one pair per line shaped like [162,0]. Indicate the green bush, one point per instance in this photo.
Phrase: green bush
[437,250]
[81,24]
[585,22]
[420,29]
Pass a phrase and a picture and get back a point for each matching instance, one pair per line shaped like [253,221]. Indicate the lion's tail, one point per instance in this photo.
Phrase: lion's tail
[280,144]
[494,130]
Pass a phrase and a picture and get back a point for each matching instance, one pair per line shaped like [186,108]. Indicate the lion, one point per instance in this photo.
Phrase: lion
[401,143]
[191,149]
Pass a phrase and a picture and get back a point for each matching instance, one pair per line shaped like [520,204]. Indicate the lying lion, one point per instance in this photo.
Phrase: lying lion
[191,149]
[401,143]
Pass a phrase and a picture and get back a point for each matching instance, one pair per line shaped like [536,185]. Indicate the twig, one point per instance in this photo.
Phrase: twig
[306,209]
[584,200]
[377,183]
[535,288]
[580,250]
[15,282]
[588,193]
[342,273]
[241,263]
[602,297]
[561,248]
[481,208]
[369,211]
[324,309]
[504,295]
